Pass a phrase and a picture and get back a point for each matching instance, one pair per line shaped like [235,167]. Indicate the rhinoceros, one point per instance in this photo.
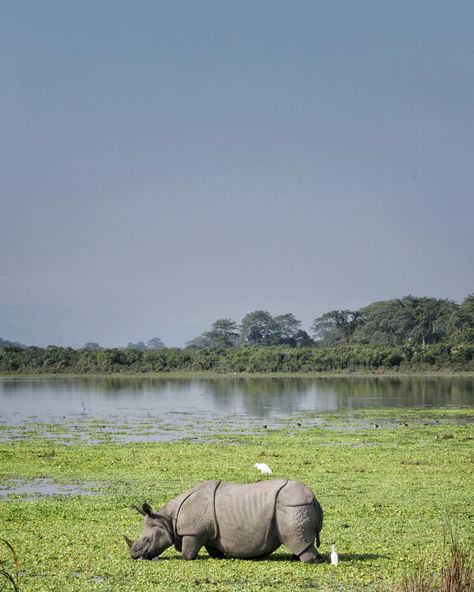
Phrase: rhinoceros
[234,520]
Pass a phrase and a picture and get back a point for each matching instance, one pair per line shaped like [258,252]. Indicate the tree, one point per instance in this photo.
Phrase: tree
[139,345]
[336,327]
[155,343]
[92,345]
[199,342]
[382,324]
[223,334]
[289,332]
[461,324]
[287,329]
[259,328]
[302,339]
[426,320]
[407,320]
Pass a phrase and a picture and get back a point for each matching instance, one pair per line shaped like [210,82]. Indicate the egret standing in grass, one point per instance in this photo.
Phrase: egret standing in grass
[334,556]
[263,468]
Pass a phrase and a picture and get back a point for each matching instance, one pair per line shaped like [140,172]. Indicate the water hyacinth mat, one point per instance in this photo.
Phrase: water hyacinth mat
[391,484]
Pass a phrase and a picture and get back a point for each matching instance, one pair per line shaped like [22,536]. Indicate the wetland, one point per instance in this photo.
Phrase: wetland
[134,408]
[391,460]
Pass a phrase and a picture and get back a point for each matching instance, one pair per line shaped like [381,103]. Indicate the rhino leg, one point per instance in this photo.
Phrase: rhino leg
[213,552]
[310,555]
[190,547]
[296,527]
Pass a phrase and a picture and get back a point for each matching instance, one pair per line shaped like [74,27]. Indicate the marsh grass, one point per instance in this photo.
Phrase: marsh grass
[455,574]
[10,568]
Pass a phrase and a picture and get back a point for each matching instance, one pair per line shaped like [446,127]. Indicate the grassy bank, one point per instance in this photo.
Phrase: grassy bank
[385,490]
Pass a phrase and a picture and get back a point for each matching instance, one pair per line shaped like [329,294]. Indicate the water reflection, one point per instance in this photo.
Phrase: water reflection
[330,394]
[256,397]
[262,396]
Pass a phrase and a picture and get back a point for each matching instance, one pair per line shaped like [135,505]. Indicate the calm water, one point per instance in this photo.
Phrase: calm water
[183,402]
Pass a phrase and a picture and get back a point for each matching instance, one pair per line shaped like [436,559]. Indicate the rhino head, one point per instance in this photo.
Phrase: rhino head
[156,535]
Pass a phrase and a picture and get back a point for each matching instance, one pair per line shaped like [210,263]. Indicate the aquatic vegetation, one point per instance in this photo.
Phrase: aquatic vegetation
[384,490]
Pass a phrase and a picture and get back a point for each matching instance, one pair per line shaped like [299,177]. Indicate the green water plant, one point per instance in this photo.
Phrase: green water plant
[384,492]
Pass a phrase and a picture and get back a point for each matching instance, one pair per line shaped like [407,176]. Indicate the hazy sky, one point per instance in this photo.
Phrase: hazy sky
[168,163]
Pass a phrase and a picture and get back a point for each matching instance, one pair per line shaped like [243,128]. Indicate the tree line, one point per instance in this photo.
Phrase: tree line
[154,343]
[251,359]
[402,321]
[402,334]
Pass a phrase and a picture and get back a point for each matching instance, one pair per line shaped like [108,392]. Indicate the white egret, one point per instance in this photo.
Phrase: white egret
[263,468]
[334,556]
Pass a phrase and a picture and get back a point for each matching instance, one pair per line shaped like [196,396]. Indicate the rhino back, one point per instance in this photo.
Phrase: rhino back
[171,509]
[245,517]
[295,493]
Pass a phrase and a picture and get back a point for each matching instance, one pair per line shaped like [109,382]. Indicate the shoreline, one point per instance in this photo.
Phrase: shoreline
[213,374]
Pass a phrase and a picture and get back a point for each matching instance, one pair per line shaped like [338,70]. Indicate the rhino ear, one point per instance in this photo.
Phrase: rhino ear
[147,509]
[139,510]
[144,510]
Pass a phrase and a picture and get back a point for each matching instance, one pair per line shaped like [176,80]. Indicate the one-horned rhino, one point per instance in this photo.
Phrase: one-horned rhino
[234,520]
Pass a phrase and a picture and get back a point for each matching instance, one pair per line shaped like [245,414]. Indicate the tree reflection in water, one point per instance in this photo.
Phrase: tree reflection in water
[252,396]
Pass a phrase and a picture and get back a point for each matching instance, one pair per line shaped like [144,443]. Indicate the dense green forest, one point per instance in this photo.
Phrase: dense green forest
[399,322]
[405,334]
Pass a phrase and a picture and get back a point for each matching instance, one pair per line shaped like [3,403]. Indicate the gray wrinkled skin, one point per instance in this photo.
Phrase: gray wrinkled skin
[234,520]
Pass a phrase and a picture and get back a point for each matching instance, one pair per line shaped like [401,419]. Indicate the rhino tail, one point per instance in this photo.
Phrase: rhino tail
[319,519]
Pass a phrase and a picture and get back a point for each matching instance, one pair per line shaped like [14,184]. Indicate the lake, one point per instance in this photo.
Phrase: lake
[159,408]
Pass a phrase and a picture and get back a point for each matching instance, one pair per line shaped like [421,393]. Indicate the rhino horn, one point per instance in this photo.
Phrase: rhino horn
[128,541]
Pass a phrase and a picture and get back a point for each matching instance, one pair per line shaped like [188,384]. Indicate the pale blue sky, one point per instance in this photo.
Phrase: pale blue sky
[166,164]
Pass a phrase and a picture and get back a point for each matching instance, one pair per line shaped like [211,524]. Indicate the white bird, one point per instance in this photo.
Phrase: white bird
[263,468]
[334,556]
